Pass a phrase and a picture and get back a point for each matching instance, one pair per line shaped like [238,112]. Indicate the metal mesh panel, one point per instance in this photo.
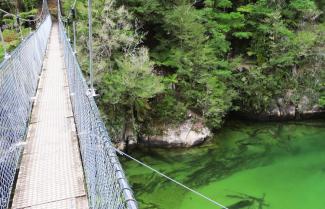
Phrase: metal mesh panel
[107,187]
[18,82]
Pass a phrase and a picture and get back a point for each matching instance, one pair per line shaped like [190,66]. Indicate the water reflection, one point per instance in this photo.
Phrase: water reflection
[238,147]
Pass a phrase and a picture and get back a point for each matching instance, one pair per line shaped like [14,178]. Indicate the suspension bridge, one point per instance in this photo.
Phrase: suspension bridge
[55,151]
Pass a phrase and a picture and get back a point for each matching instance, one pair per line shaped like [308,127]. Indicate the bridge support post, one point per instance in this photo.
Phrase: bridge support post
[73,12]
[4,45]
[90,45]
[19,27]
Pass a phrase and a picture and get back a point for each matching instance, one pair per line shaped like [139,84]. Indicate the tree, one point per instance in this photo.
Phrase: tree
[211,56]
[129,87]
[201,69]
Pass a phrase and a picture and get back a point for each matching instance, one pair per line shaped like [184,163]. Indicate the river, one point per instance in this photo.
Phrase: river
[244,166]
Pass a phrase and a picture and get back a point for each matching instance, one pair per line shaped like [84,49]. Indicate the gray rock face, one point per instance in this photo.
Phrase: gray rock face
[304,104]
[188,134]
[284,109]
[121,145]
[290,111]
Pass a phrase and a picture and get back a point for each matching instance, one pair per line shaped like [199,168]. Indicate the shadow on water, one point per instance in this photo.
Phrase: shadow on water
[237,147]
[244,201]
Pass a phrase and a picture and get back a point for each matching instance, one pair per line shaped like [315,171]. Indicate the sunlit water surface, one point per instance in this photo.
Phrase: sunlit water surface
[245,166]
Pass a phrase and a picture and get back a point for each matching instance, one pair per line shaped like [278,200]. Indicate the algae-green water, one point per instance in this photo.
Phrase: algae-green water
[244,166]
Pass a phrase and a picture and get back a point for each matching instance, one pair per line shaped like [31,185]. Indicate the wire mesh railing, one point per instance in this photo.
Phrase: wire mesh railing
[107,186]
[19,74]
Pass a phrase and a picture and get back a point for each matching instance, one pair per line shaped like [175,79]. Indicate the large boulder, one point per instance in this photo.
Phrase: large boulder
[190,133]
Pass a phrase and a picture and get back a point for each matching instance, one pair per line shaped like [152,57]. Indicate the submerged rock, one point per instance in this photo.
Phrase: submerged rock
[190,133]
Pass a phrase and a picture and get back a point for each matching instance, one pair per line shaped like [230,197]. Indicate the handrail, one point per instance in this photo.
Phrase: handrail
[107,186]
[19,74]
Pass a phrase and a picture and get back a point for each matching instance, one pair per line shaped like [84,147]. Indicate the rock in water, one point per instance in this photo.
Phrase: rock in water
[190,133]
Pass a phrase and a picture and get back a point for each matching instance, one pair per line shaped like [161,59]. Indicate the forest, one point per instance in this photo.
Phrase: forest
[199,104]
[14,30]
[159,63]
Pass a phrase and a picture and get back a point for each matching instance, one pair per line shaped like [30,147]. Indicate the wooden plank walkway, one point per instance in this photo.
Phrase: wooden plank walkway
[51,173]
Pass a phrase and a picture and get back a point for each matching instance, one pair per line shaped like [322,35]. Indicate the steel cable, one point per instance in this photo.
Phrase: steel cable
[106,183]
[19,74]
[39,17]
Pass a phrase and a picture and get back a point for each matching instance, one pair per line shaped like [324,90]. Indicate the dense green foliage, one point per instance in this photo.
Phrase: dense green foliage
[157,61]
[27,9]
[123,71]
[208,57]
[280,46]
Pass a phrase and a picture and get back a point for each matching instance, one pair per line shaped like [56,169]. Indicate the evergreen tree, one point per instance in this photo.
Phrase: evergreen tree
[208,57]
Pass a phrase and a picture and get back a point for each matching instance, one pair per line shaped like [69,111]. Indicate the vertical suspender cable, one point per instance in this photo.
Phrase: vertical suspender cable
[90,47]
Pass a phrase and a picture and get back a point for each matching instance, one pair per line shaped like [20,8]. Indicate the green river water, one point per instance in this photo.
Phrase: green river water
[245,166]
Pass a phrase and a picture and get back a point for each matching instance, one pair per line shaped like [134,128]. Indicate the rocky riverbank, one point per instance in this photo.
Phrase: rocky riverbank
[282,111]
[193,132]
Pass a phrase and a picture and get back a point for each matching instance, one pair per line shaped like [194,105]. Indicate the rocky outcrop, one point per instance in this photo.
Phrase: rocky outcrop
[190,133]
[281,110]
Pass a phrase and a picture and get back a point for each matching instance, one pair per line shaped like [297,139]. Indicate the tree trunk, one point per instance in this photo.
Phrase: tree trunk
[129,135]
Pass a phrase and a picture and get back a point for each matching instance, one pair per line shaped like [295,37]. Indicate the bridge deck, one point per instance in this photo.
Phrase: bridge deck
[51,174]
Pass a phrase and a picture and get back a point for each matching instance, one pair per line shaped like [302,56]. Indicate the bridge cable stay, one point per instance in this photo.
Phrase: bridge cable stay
[19,75]
[169,178]
[119,151]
